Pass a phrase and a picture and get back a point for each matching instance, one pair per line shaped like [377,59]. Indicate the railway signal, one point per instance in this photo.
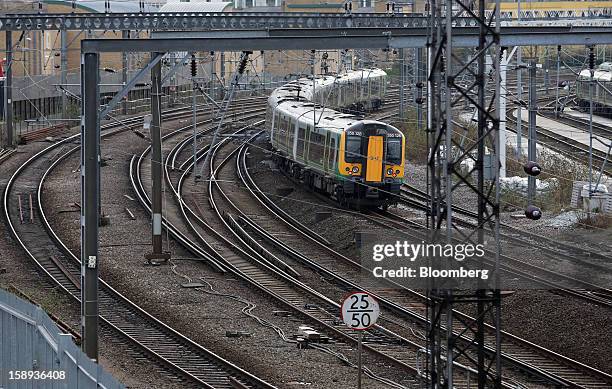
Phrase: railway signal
[194,66]
[359,312]
[532,169]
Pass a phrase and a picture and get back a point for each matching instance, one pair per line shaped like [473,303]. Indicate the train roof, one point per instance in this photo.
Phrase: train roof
[305,84]
[295,99]
[602,73]
[325,117]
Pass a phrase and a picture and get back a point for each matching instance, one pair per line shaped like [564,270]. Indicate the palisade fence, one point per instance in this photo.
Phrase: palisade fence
[31,342]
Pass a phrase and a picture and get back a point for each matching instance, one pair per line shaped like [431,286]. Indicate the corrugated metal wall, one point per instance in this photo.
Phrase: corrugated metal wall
[30,341]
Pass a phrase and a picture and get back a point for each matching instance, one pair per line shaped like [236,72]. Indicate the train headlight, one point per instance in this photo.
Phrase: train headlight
[389,171]
[355,169]
[348,169]
[397,171]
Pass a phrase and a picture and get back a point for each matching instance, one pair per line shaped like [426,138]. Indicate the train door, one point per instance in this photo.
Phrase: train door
[307,146]
[272,132]
[325,151]
[295,127]
[289,137]
[374,166]
[332,157]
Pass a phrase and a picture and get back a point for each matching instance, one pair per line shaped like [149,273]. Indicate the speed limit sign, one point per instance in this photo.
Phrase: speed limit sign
[360,311]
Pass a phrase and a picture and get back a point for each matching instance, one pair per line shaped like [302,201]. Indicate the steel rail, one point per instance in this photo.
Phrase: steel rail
[338,330]
[527,366]
[152,327]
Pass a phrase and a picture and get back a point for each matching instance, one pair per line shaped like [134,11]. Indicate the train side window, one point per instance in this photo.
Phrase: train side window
[353,149]
[300,141]
[317,148]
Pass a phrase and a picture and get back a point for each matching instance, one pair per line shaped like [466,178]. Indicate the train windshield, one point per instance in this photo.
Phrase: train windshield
[394,151]
[353,148]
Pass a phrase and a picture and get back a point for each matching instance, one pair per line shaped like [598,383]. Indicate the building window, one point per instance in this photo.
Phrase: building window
[367,3]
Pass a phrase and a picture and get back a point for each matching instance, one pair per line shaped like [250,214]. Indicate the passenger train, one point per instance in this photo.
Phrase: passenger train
[353,92]
[357,162]
[602,98]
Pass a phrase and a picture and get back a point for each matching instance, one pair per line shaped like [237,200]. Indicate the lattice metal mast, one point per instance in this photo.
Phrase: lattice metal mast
[453,80]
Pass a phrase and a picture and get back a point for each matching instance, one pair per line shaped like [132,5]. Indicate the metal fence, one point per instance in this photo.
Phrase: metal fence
[34,353]
[37,100]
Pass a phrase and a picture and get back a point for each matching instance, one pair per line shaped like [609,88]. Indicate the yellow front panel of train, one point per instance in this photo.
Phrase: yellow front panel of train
[375,159]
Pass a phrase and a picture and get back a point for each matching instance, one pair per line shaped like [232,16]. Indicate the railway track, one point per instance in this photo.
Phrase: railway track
[258,217]
[5,154]
[533,359]
[187,361]
[563,145]
[268,275]
[416,198]
[582,124]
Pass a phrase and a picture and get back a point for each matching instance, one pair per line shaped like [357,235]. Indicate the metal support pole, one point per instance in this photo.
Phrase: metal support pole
[402,83]
[502,112]
[263,69]
[546,70]
[195,121]
[314,87]
[419,79]
[482,206]
[592,73]
[557,88]
[8,91]
[125,34]
[212,75]
[359,363]
[156,165]
[533,109]
[90,195]
[222,67]
[519,96]
[449,345]
[64,70]
[125,90]
[34,47]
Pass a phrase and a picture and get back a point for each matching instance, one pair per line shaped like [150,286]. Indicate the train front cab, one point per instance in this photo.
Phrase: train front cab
[371,164]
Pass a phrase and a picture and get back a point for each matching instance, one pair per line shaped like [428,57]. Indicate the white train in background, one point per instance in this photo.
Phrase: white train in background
[357,91]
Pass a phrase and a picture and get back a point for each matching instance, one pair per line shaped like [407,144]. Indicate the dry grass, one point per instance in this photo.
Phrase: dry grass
[594,220]
[416,140]
[553,166]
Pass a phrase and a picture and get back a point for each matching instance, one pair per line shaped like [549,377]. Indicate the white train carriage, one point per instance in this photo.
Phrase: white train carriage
[357,91]
[602,98]
[358,162]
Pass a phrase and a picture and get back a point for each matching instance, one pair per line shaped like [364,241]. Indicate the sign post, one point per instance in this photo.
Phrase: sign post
[359,312]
